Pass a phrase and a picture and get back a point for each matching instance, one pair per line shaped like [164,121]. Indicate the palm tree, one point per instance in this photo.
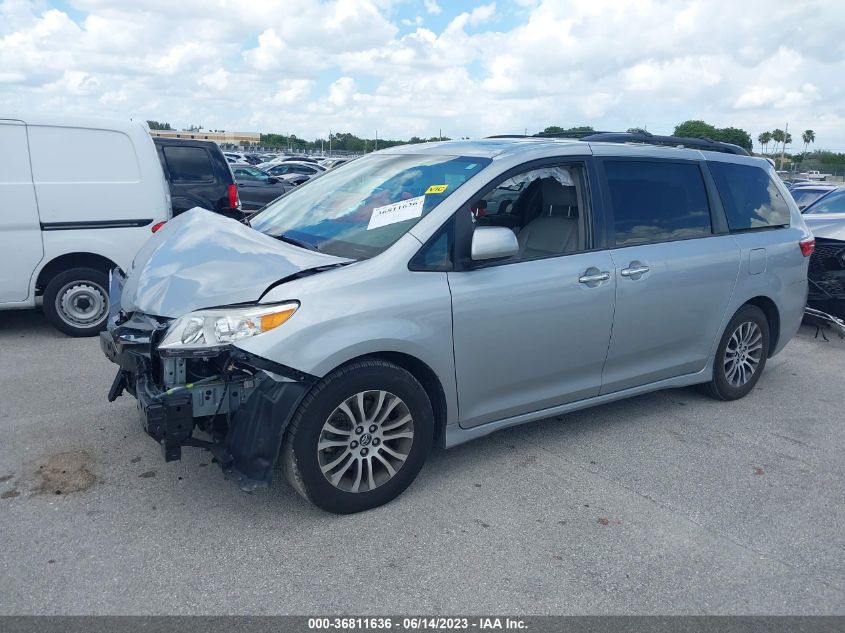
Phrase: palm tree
[765,138]
[777,137]
[808,137]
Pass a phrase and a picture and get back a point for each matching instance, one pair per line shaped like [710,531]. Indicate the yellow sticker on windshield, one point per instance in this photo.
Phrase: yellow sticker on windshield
[436,189]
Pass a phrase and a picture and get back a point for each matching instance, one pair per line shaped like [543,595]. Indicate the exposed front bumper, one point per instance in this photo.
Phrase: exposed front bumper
[826,276]
[234,404]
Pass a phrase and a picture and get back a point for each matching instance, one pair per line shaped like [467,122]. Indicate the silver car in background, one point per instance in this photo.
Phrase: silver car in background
[440,292]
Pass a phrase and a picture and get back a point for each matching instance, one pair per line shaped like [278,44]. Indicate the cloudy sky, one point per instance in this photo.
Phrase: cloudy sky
[413,67]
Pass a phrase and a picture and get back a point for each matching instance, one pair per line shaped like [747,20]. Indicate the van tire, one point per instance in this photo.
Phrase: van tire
[80,290]
[753,321]
[301,457]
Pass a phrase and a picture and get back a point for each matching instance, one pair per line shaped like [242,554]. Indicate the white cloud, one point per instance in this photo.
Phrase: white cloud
[432,7]
[306,66]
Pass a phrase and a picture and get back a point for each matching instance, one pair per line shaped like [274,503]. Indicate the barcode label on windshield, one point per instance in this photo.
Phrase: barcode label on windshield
[409,209]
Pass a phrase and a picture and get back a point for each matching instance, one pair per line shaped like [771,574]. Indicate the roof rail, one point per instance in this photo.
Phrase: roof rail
[641,137]
[672,141]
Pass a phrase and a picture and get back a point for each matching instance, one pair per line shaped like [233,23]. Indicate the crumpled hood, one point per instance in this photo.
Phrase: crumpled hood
[830,226]
[201,259]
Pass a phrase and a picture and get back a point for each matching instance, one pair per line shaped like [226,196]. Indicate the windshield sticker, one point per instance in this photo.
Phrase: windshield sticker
[397,212]
[436,189]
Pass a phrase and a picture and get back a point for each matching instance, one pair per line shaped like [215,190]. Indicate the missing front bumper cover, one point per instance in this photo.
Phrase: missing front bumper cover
[244,414]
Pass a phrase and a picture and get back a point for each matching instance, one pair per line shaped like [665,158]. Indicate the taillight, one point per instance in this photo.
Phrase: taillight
[155,227]
[808,245]
[234,200]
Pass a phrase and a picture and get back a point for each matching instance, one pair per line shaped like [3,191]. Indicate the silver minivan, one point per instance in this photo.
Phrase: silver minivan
[440,292]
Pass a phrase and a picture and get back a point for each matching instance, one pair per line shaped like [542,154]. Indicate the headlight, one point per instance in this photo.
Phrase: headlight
[211,330]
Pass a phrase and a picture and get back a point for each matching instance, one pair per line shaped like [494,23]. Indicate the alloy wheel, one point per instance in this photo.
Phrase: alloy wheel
[365,441]
[743,353]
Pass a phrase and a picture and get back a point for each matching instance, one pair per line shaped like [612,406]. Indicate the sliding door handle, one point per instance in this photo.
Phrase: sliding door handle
[593,277]
[633,272]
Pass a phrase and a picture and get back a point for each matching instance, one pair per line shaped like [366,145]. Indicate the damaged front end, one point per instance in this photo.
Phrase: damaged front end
[220,398]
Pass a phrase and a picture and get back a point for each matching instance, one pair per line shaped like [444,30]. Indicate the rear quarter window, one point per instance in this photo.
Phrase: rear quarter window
[750,197]
[189,164]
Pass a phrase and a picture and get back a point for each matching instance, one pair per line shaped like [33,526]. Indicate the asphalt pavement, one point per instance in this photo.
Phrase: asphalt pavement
[668,503]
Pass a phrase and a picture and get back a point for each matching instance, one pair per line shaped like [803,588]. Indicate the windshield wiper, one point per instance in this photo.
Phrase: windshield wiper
[297,242]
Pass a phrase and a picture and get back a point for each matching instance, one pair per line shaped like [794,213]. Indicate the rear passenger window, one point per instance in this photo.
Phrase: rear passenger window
[189,164]
[657,201]
[750,197]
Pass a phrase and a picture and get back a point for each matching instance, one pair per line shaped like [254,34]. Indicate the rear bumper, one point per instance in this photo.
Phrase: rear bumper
[240,416]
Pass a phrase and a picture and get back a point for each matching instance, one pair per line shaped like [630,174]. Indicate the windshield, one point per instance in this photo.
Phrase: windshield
[804,197]
[830,203]
[360,210]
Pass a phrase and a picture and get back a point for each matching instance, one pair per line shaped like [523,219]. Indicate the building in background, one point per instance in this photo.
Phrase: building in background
[225,139]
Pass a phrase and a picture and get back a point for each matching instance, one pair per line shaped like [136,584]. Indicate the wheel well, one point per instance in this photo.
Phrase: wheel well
[772,316]
[426,377]
[72,260]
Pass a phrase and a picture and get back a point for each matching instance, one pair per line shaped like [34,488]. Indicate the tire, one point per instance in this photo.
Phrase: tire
[748,331]
[358,451]
[77,301]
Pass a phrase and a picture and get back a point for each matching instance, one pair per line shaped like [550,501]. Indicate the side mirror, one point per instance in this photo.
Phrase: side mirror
[493,242]
[272,180]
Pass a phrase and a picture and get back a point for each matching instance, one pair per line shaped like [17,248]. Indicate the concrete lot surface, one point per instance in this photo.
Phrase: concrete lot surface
[667,503]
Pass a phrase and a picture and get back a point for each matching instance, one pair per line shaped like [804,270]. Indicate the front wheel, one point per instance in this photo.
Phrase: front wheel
[77,301]
[741,355]
[359,438]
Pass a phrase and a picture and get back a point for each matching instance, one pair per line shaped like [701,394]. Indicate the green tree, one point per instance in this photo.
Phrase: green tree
[156,125]
[777,137]
[808,137]
[764,139]
[695,128]
[581,129]
[734,135]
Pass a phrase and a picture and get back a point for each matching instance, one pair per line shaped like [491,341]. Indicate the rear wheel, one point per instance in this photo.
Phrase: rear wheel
[741,355]
[77,301]
[359,438]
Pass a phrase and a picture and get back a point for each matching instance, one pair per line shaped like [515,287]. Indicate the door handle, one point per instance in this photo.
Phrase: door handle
[635,271]
[594,278]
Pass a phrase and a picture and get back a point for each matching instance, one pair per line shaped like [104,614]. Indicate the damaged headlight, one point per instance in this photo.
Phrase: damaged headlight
[210,330]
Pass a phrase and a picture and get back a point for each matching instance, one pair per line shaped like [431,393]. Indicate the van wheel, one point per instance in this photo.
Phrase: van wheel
[77,302]
[359,438]
[741,355]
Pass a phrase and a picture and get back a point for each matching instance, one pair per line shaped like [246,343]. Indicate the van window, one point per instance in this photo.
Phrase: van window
[655,201]
[66,154]
[542,206]
[188,164]
[750,197]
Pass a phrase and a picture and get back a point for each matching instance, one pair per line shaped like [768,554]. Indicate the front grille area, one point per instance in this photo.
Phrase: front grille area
[827,271]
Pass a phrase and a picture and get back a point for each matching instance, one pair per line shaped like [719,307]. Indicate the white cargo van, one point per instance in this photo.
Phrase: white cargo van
[77,198]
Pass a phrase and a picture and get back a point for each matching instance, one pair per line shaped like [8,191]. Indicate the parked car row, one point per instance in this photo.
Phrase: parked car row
[257,188]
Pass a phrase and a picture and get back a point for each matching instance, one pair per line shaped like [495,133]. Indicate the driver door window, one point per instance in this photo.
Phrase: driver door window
[545,207]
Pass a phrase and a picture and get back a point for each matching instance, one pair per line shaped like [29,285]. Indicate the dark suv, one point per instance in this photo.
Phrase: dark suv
[199,176]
